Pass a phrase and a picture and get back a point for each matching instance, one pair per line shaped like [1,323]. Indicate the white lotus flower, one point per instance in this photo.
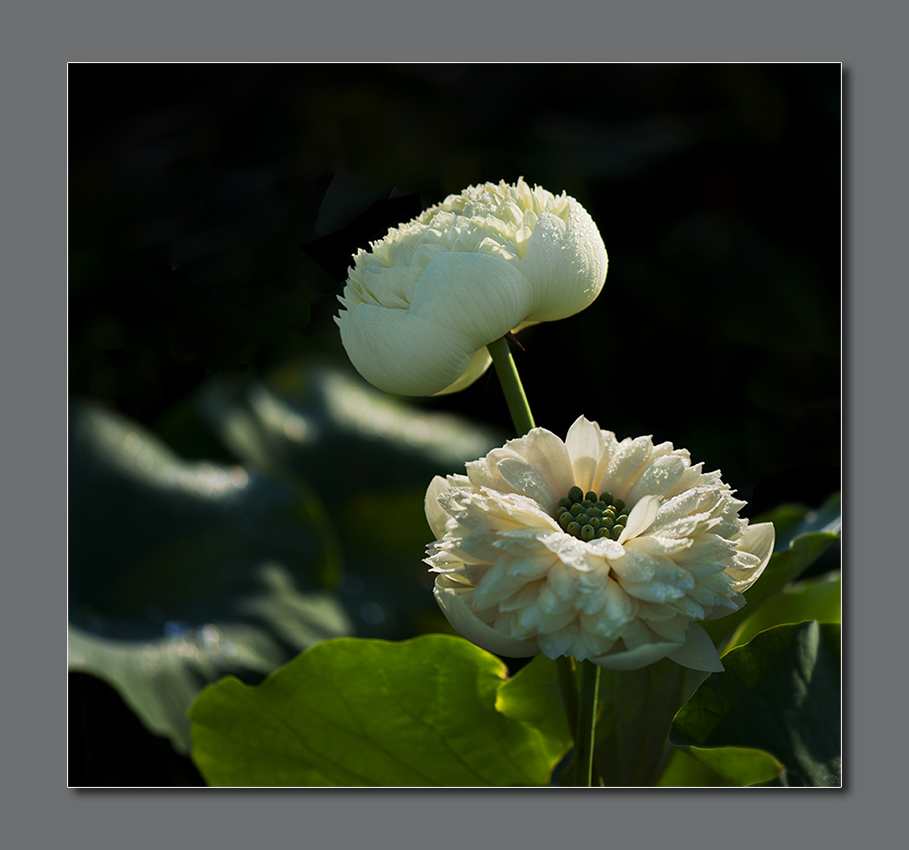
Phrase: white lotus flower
[421,306]
[525,565]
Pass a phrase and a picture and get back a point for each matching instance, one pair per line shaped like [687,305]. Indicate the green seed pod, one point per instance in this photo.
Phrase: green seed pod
[608,521]
[595,521]
[619,504]
[565,502]
[573,528]
[606,496]
[565,518]
[582,518]
[576,508]
[575,494]
[587,532]
[590,495]
[617,530]
[603,532]
[600,504]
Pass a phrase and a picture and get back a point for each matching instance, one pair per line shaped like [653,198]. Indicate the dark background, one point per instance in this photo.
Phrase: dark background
[214,211]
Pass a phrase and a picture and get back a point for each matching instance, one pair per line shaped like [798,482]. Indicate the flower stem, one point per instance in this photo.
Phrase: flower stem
[587,718]
[569,686]
[581,714]
[511,386]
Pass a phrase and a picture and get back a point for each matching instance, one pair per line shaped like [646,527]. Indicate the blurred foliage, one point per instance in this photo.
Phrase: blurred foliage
[213,214]
[184,571]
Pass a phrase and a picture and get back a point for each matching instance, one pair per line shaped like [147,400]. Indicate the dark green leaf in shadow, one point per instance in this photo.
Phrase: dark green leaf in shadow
[431,711]
[780,694]
[790,521]
[813,599]
[804,540]
[180,572]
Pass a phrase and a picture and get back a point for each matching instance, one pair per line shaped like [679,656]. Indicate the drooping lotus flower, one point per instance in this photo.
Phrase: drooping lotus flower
[421,306]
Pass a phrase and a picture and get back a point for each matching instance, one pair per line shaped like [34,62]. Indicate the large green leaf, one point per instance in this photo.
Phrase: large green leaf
[778,699]
[802,537]
[180,573]
[431,711]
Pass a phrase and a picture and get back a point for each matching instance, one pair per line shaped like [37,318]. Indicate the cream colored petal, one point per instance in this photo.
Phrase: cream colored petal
[435,515]
[759,540]
[653,591]
[558,644]
[616,610]
[481,296]
[634,659]
[698,652]
[655,544]
[639,566]
[572,551]
[496,586]
[547,454]
[659,478]
[641,518]
[690,608]
[566,263]
[403,354]
[672,628]
[484,472]
[452,599]
[610,550]
[585,447]
[523,478]
[477,366]
[627,465]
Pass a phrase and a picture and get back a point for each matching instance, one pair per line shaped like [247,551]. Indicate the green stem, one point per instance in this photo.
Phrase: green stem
[580,720]
[511,385]
[587,719]
[569,685]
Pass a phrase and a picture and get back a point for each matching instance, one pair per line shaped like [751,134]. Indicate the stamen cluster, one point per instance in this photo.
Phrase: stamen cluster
[588,516]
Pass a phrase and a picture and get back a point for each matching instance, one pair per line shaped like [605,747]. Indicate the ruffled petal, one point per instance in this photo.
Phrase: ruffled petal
[436,516]
[451,597]
[659,477]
